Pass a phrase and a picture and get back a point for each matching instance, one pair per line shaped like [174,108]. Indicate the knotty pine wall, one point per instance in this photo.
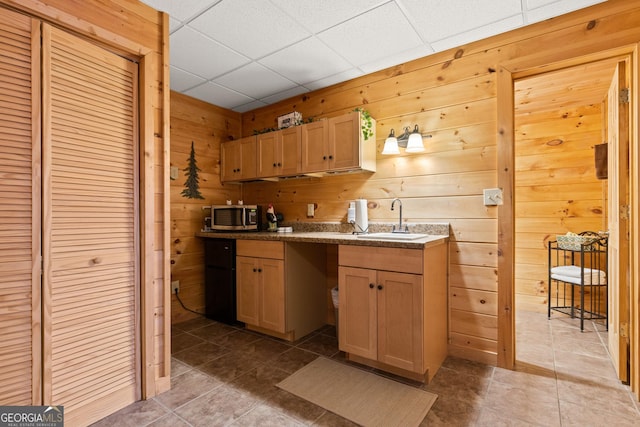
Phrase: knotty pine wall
[556,190]
[139,32]
[206,125]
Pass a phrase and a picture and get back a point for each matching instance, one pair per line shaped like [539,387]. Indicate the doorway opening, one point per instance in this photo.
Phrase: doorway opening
[559,118]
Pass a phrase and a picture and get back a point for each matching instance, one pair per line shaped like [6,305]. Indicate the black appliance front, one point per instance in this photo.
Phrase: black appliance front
[220,280]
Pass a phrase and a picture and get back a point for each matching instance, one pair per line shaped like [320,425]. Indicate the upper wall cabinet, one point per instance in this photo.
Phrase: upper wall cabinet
[278,153]
[337,145]
[318,148]
[238,160]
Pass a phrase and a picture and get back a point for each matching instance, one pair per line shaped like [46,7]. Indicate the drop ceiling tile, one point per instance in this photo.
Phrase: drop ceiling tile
[541,10]
[248,107]
[320,15]
[444,19]
[182,80]
[218,95]
[478,33]
[285,94]
[255,81]
[254,28]
[192,51]
[306,61]
[174,24]
[336,78]
[396,58]
[181,10]
[372,36]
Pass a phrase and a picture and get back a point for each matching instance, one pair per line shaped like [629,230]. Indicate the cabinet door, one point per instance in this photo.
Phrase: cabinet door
[229,160]
[267,149]
[271,274]
[289,151]
[344,141]
[400,327]
[314,151]
[248,167]
[357,312]
[247,290]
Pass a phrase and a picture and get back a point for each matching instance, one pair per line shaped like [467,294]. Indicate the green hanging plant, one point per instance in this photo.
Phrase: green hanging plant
[367,123]
[192,190]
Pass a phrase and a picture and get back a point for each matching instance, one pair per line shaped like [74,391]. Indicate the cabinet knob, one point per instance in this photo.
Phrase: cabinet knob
[330,157]
[255,270]
[279,164]
[379,287]
[259,270]
[371,285]
[274,164]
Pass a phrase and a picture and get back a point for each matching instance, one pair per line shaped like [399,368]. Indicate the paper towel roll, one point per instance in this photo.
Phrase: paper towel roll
[362,217]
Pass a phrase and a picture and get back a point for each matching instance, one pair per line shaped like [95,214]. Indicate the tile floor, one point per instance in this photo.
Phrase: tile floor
[222,375]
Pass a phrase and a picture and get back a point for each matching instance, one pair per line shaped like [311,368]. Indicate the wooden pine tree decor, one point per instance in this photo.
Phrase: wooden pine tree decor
[192,190]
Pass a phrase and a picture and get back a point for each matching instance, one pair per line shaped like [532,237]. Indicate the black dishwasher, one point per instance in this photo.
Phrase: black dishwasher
[220,280]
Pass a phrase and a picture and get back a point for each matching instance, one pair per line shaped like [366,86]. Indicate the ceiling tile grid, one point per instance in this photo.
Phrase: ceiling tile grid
[245,54]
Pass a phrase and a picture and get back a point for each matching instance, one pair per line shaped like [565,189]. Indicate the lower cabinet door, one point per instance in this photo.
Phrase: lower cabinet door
[400,324]
[272,303]
[247,290]
[357,319]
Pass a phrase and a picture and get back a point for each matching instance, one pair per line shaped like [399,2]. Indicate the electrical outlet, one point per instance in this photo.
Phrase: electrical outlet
[492,196]
[175,286]
[311,207]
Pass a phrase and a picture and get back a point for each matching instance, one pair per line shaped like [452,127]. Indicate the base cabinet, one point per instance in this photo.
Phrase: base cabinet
[393,320]
[260,292]
[281,287]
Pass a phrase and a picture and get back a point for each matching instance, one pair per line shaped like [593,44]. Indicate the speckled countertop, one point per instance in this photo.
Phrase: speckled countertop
[342,234]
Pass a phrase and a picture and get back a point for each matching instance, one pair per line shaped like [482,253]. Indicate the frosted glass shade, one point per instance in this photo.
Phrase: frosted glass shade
[414,145]
[391,146]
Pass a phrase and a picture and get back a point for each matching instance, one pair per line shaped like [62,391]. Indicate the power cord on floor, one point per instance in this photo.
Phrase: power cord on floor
[183,306]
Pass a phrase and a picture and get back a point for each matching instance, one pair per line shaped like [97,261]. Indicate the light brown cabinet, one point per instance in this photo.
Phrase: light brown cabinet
[392,305]
[281,287]
[337,145]
[260,286]
[317,148]
[278,153]
[238,160]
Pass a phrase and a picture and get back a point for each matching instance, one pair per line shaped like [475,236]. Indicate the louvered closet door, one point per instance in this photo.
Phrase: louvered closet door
[90,286]
[19,211]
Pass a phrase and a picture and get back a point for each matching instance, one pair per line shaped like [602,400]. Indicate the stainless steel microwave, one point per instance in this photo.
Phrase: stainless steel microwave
[235,218]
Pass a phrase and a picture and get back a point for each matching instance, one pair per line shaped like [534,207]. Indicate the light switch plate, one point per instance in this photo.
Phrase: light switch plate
[311,207]
[492,196]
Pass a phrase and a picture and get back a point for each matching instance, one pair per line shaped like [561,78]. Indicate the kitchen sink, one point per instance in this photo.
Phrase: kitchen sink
[392,236]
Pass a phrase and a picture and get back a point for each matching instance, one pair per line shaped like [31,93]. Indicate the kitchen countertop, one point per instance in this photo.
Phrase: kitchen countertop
[327,237]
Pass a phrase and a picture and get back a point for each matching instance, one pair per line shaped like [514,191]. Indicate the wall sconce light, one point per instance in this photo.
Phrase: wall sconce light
[410,141]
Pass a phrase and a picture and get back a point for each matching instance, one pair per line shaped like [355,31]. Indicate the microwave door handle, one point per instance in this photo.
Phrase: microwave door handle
[244,217]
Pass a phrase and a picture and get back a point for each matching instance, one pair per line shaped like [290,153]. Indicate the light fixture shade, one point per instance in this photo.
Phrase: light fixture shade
[415,145]
[391,145]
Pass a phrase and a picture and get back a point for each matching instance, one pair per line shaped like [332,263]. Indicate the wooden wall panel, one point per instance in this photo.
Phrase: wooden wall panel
[206,125]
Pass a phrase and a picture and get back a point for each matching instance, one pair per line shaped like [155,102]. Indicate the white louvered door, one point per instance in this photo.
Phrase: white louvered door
[19,210]
[90,192]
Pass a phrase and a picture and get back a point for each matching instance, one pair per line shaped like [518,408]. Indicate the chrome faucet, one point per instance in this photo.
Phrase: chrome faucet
[399,229]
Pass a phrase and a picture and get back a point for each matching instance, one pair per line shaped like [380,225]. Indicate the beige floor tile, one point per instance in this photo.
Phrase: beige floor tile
[200,354]
[219,407]
[183,340]
[169,420]
[187,387]
[265,416]
[524,403]
[321,344]
[139,413]
[492,418]
[586,415]
[329,419]
[178,367]
[293,359]
[451,412]
[260,383]
[213,331]
[230,366]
